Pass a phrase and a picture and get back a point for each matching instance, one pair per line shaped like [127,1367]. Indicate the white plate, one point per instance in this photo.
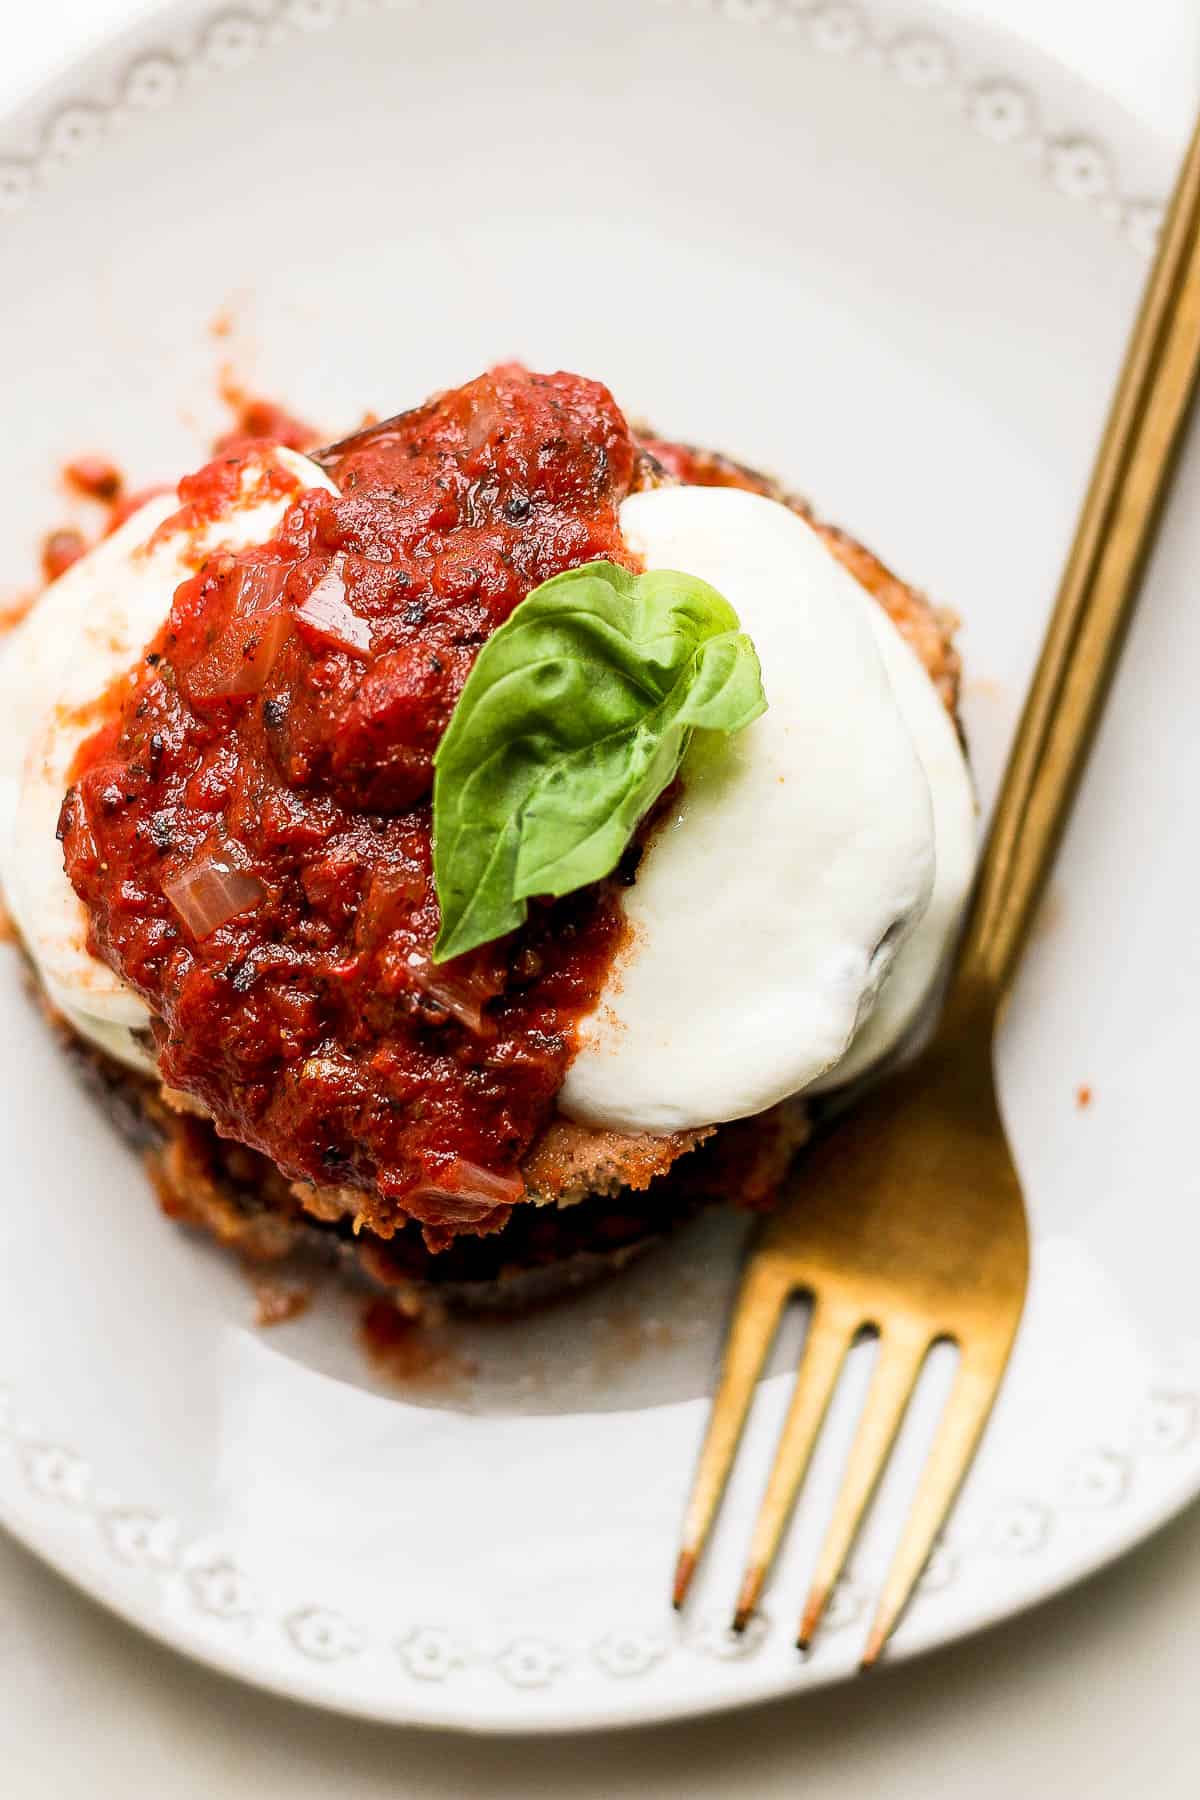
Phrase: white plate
[893,260]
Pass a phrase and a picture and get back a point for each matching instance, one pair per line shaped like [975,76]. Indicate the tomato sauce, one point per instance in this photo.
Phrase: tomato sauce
[258,420]
[60,549]
[707,468]
[250,829]
[94,478]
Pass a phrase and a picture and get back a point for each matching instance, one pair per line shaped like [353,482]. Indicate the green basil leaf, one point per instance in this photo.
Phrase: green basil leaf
[573,720]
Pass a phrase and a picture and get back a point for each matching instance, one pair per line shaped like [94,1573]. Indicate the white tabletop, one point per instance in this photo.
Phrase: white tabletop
[1093,1694]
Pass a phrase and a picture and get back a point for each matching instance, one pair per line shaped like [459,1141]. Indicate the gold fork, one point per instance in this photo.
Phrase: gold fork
[909,1217]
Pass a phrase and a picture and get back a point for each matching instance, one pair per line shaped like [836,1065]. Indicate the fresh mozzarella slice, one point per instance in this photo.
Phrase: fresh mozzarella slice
[770,906]
[788,921]
[86,631]
[916,967]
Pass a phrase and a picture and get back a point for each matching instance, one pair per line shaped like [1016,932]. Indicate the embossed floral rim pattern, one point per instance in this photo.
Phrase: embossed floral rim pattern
[132,1551]
[209,1584]
[998,107]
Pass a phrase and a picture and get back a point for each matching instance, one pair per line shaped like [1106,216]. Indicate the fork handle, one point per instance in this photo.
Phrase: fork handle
[1095,599]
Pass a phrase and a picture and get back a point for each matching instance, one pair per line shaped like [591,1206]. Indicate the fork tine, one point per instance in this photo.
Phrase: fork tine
[975,1386]
[902,1351]
[830,1335]
[761,1299]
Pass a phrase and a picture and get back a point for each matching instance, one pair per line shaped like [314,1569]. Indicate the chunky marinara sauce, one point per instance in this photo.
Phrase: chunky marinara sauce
[273,762]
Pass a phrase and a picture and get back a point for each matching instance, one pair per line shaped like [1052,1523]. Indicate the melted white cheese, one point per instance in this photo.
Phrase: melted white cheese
[788,919]
[915,970]
[769,908]
[87,629]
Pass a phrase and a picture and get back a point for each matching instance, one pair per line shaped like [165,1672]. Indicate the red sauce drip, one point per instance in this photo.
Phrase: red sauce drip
[258,421]
[60,549]
[408,1349]
[95,477]
[312,1025]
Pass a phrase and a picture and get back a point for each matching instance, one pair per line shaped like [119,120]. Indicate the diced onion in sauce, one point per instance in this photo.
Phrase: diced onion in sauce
[462,996]
[241,660]
[466,1193]
[257,586]
[327,614]
[210,892]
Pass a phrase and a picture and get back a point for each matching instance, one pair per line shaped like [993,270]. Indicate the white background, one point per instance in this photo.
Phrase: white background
[1094,1694]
